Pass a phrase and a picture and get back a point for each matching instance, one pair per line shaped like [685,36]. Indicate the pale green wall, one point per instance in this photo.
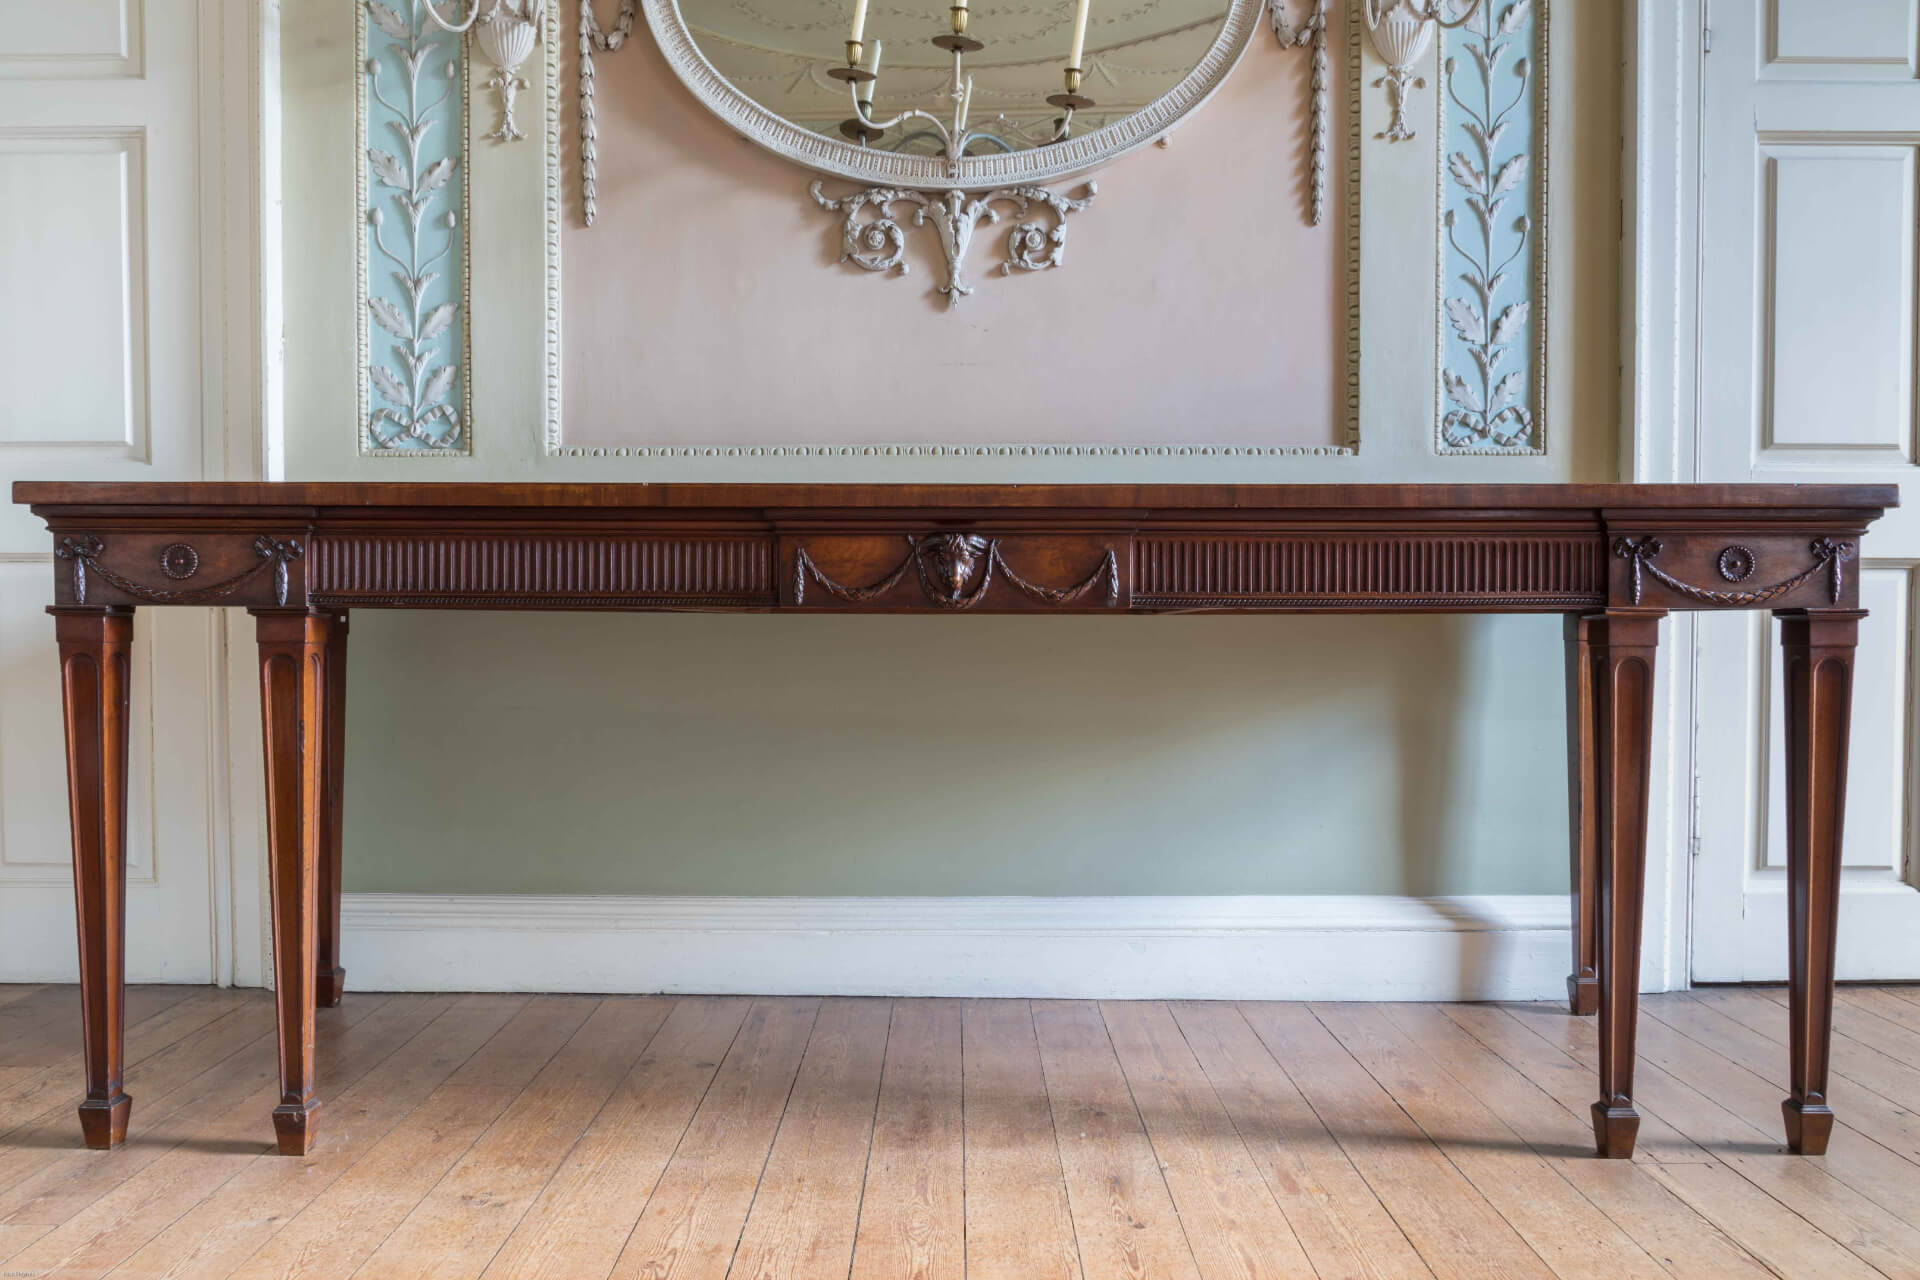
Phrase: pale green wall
[942,755]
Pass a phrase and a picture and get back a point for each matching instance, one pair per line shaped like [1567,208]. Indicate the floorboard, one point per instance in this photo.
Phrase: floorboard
[1456,1231]
[1018,1224]
[1123,1212]
[691,1225]
[913,1205]
[461,1224]
[582,1218]
[1562,1226]
[735,1138]
[1735,1115]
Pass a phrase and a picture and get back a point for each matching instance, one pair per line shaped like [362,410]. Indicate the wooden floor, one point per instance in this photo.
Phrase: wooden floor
[577,1137]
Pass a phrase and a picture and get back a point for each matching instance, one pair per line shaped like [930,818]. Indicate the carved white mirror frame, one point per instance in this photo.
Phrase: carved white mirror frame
[954,195]
[841,159]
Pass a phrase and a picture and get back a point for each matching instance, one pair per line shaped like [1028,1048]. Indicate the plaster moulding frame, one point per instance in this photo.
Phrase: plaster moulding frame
[1046,164]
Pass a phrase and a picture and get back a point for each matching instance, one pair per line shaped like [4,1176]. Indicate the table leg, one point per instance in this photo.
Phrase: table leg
[1622,644]
[332,979]
[293,650]
[1583,984]
[1817,651]
[96,667]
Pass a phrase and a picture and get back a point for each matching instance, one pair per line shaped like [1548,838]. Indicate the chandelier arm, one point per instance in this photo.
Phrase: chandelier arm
[1473,7]
[881,126]
[463,27]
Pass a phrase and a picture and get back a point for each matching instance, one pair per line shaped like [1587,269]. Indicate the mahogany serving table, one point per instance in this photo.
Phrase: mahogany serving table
[1612,559]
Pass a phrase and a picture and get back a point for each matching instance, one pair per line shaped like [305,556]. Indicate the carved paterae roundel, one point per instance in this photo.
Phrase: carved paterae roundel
[1736,563]
[179,560]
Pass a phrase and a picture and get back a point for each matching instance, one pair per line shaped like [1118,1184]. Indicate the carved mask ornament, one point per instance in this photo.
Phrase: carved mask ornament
[950,559]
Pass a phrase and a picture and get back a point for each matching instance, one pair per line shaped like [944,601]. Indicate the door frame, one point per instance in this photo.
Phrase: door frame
[1666,43]
[241,315]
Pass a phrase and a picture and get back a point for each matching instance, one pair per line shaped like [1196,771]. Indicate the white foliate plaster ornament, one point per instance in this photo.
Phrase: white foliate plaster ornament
[880,244]
[1401,38]
[1402,33]
[1492,349]
[594,40]
[506,31]
[413,285]
[506,37]
[1312,36]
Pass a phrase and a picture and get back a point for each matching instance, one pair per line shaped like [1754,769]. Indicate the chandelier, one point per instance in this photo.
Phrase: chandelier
[955,134]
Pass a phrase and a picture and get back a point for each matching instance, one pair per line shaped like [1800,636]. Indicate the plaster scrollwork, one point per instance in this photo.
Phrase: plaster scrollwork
[874,240]
[1493,277]
[413,262]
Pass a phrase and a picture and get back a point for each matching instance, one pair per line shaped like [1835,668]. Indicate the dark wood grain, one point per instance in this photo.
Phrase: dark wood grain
[1043,497]
[331,979]
[1583,872]
[293,654]
[1610,557]
[1817,648]
[96,673]
[1622,645]
[1012,548]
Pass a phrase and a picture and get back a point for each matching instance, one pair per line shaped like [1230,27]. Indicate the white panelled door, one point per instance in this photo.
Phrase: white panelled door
[1810,248]
[102,161]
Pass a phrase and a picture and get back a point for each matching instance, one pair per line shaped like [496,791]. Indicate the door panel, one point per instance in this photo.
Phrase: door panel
[1881,754]
[74,259]
[75,39]
[101,343]
[1838,375]
[1834,38]
[1809,289]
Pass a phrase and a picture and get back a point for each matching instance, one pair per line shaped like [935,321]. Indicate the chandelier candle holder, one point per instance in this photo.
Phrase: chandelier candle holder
[862,74]
[954,133]
[874,240]
[1072,100]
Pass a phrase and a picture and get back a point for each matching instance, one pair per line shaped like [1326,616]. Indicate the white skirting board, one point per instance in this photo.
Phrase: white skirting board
[1508,947]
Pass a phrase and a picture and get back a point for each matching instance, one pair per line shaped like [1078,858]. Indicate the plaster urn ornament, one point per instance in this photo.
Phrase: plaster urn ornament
[506,31]
[1402,33]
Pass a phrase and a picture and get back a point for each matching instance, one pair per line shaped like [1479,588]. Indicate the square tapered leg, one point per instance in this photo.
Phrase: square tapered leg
[1817,665]
[1621,644]
[293,651]
[96,668]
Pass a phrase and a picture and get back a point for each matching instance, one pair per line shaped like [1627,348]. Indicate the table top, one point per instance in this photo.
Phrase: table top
[1862,499]
[875,547]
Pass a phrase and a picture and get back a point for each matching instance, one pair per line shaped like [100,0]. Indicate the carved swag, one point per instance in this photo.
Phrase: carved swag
[955,571]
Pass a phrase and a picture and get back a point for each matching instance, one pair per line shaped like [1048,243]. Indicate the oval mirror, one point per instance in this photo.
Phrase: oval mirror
[973,96]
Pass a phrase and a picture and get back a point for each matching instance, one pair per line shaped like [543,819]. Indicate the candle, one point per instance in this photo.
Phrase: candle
[859,20]
[1079,34]
[868,90]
